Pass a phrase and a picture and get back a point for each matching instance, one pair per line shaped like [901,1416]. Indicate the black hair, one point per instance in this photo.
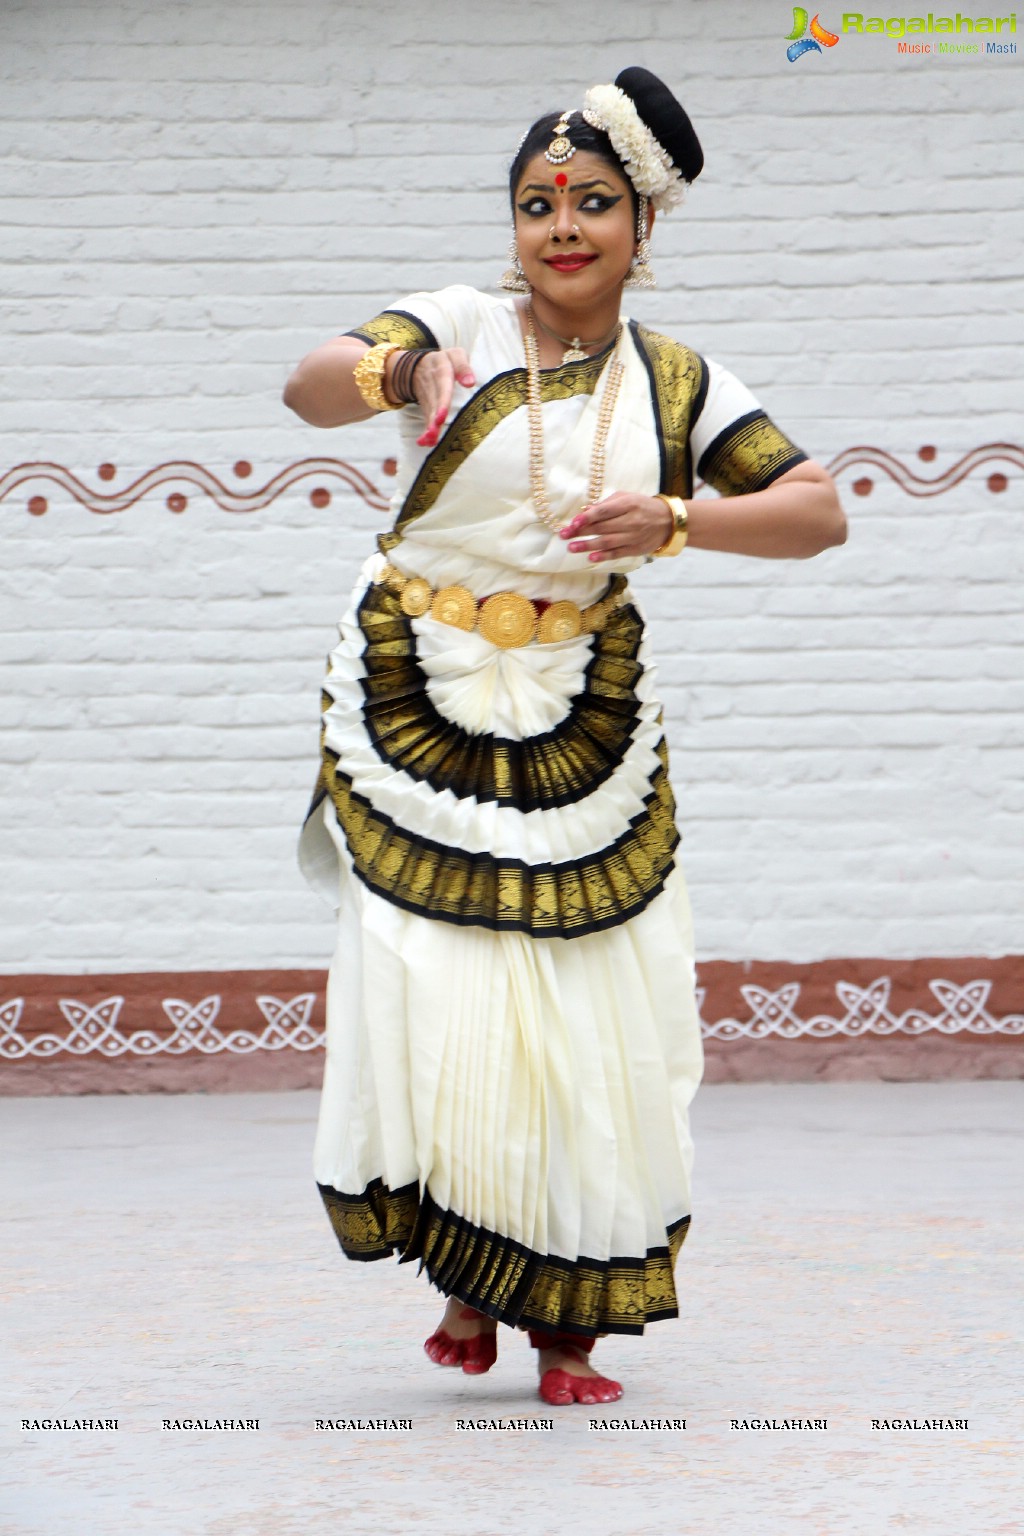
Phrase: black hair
[581,134]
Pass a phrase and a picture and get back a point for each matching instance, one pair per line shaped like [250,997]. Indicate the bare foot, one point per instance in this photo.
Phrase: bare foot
[465,1337]
[588,1386]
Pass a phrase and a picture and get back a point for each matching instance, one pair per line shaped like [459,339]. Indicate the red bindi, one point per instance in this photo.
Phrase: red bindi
[561,179]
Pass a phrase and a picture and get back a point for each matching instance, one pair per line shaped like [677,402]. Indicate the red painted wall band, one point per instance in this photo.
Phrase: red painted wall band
[171,1031]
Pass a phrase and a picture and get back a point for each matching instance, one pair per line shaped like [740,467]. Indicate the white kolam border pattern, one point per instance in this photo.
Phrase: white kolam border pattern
[866,1011]
[95,1029]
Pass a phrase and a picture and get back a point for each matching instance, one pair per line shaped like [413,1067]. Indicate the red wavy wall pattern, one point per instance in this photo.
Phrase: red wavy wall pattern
[186,472]
[233,498]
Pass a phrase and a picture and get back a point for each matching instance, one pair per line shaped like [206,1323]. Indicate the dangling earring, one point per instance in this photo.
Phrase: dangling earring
[514,279]
[640,274]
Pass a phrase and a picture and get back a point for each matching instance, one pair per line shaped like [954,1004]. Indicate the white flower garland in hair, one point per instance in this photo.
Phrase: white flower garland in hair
[648,167]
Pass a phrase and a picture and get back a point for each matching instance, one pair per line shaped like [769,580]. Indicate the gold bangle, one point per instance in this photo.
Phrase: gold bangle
[677,538]
[369,376]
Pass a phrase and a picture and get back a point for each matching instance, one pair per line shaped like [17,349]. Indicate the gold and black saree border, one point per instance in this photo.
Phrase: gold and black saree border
[375,1223]
[679,386]
[501,1277]
[748,455]
[485,410]
[554,768]
[598,891]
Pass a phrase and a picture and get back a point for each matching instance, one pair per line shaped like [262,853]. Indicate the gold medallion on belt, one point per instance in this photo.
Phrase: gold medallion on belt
[561,621]
[416,595]
[507,619]
[454,605]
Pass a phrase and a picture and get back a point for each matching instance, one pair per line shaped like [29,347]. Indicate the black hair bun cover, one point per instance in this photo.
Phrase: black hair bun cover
[664,116]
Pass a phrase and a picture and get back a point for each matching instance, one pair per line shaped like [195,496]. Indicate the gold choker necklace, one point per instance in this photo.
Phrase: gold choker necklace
[535,421]
[574,352]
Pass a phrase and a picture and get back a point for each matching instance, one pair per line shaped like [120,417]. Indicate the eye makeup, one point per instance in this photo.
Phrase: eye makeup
[595,202]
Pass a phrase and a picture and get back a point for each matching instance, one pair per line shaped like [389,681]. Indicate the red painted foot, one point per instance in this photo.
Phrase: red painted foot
[476,1355]
[560,1387]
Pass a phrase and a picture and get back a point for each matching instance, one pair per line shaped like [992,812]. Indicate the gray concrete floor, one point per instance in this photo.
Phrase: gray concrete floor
[855,1255]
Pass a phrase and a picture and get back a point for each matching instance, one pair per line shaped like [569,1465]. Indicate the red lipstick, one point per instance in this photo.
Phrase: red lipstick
[569,263]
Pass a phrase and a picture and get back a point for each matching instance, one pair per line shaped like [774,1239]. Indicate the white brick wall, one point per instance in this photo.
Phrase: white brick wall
[196,194]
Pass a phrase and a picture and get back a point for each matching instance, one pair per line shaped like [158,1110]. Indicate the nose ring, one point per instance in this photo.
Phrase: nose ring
[553,232]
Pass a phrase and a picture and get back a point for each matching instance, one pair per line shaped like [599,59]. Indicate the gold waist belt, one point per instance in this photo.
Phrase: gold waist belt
[503,618]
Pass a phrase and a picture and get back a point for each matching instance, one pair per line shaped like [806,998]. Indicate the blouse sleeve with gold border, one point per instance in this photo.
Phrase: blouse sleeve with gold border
[447,318]
[736,447]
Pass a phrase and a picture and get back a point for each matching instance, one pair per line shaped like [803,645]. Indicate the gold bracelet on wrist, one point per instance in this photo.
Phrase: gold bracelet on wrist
[677,538]
[369,376]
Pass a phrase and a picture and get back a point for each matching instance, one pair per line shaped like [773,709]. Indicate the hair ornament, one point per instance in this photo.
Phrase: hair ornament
[646,163]
[561,147]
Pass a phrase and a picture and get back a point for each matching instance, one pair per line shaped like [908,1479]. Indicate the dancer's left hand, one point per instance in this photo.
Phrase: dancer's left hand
[622,524]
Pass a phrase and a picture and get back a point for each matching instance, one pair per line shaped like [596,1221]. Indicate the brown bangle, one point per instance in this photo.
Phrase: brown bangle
[677,538]
[400,381]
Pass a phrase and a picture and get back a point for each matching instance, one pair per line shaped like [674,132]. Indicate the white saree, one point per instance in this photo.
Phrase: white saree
[512,1034]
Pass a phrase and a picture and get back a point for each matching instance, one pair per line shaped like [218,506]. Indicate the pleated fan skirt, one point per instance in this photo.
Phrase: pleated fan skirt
[512,1033]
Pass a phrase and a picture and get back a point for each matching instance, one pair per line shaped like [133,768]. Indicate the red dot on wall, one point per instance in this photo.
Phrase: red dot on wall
[37,506]
[106,471]
[863,486]
[320,497]
[997,482]
[390,466]
[927,453]
[177,502]
[243,469]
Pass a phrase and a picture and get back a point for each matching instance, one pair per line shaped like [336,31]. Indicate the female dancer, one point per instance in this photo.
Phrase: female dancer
[513,1039]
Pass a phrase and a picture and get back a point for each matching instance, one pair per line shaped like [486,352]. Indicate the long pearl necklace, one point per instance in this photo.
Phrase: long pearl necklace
[535,420]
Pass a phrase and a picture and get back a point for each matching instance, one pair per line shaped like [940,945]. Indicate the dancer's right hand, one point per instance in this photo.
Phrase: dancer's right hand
[433,382]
